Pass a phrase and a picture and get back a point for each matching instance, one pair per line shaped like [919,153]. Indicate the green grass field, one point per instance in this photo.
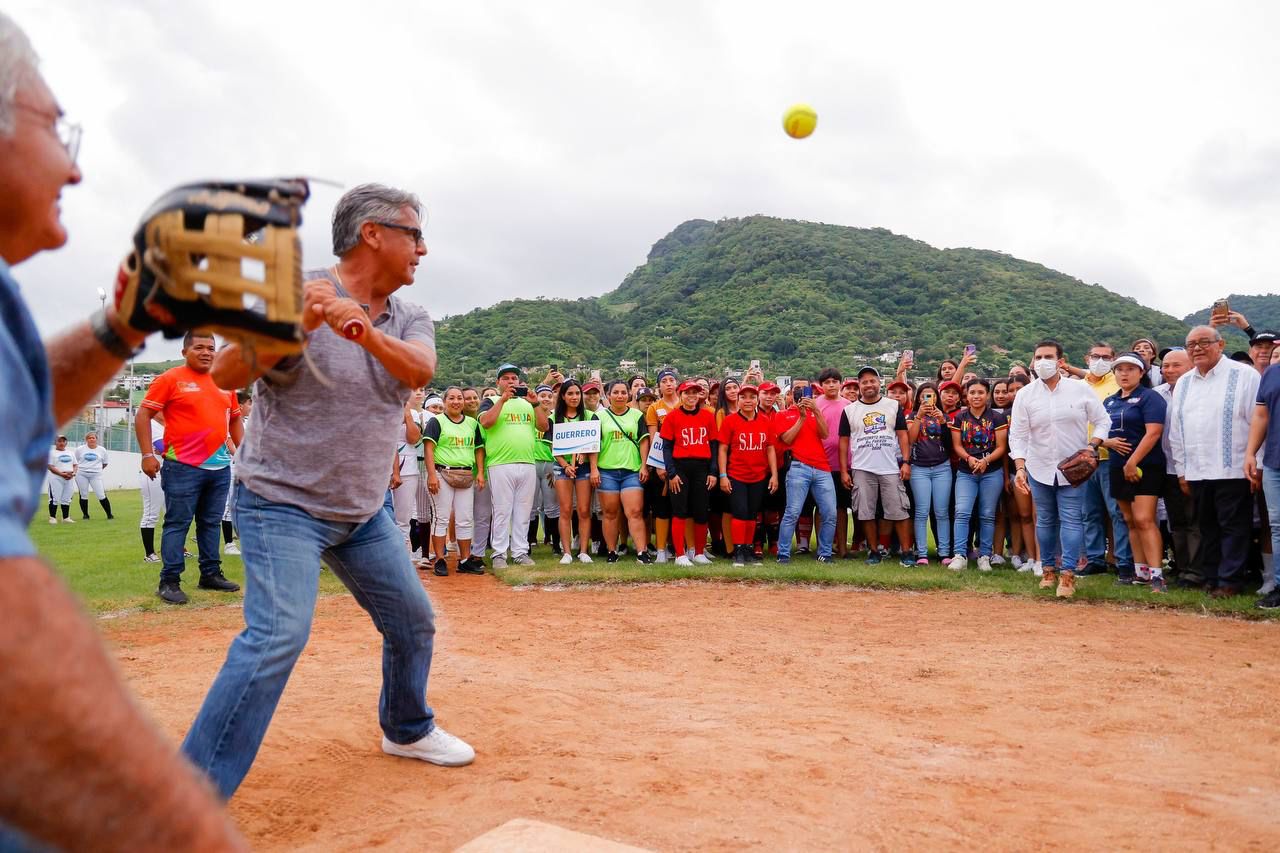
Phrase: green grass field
[102,561]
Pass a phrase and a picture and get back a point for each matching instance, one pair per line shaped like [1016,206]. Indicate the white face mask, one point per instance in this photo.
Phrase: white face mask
[1046,368]
[1100,366]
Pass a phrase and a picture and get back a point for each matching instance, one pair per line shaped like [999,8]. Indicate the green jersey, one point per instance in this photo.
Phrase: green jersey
[513,437]
[455,443]
[620,439]
[542,447]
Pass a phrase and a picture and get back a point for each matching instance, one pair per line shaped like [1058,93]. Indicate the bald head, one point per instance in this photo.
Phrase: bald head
[1175,363]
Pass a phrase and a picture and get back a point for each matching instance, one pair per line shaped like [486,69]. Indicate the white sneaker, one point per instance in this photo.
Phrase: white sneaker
[68,520]
[584,558]
[984,564]
[451,545]
[684,562]
[701,560]
[661,558]
[1016,561]
[1037,568]
[232,548]
[709,556]
[524,560]
[997,560]
[567,559]
[439,747]
[53,520]
[1027,566]
[958,563]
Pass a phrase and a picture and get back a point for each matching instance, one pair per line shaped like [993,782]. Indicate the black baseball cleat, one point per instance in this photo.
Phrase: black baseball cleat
[1270,601]
[441,568]
[644,558]
[611,557]
[171,591]
[473,565]
[1093,569]
[218,582]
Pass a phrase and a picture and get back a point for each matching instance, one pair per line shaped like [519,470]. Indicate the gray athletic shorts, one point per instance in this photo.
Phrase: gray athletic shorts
[887,490]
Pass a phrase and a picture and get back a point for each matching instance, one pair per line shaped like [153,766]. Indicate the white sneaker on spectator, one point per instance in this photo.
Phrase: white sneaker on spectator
[997,560]
[439,747]
[566,559]
[584,558]
[984,564]
[701,560]
[1037,568]
[662,556]
[958,563]
[451,545]
[684,562]
[524,560]
[1016,561]
[1025,566]
[231,548]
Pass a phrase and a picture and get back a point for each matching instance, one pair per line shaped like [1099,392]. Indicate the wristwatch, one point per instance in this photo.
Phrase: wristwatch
[108,339]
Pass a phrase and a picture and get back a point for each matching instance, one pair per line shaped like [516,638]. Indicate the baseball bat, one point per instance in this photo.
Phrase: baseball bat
[353,330]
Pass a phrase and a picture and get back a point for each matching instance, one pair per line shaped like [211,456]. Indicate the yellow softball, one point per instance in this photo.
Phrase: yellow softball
[799,120]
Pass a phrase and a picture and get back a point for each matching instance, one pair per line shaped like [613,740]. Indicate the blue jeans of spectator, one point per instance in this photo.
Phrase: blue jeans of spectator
[283,547]
[192,493]
[931,488]
[801,480]
[1271,488]
[984,490]
[1098,504]
[1059,523]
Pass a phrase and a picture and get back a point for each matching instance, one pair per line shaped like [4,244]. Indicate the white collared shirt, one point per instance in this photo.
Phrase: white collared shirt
[1046,426]
[1209,421]
[1165,391]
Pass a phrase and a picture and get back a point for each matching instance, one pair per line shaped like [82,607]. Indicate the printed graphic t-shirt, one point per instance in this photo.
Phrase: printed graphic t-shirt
[195,415]
[872,432]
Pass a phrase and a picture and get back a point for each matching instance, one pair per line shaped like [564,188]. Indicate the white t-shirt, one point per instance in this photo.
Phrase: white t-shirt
[408,452]
[91,459]
[873,437]
[63,461]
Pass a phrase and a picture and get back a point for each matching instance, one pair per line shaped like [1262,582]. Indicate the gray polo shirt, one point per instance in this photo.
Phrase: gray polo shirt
[329,450]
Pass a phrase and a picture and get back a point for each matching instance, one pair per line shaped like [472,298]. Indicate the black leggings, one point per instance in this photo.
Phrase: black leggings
[656,504]
[747,499]
[693,499]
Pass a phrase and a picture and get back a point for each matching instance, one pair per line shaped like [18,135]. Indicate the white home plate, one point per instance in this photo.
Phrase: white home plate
[532,835]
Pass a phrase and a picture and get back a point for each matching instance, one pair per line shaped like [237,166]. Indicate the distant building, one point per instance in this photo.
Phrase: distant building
[890,357]
[626,365]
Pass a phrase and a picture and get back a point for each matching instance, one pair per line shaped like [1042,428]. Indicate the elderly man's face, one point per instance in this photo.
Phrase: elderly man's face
[1261,355]
[34,167]
[1205,347]
[400,245]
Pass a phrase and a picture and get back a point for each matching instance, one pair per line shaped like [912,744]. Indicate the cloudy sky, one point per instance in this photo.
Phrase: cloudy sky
[1136,145]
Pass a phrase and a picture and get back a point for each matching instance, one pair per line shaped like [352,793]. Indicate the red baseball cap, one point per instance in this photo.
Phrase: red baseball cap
[749,389]
[951,383]
[592,386]
[687,385]
[767,386]
[900,384]
[849,382]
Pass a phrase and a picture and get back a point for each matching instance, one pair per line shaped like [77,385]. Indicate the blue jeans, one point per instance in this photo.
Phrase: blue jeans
[931,486]
[984,490]
[192,493]
[1059,519]
[801,480]
[283,546]
[1098,504]
[1271,489]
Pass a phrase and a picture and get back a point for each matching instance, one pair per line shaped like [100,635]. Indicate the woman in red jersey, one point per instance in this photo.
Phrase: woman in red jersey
[688,450]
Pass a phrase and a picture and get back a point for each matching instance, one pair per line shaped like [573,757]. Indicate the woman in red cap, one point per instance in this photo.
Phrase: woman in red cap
[688,449]
[721,516]
[748,467]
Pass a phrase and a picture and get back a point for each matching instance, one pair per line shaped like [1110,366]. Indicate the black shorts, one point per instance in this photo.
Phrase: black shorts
[777,502]
[719,501]
[657,504]
[844,497]
[747,499]
[693,500]
[1151,484]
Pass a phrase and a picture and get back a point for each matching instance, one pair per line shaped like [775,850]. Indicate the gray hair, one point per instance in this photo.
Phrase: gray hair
[367,203]
[1214,334]
[17,60]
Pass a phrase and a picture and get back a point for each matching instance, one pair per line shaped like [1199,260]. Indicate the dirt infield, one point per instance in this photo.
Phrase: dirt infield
[727,717]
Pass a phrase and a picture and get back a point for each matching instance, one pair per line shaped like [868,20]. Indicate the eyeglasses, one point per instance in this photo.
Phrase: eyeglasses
[68,134]
[1203,344]
[415,233]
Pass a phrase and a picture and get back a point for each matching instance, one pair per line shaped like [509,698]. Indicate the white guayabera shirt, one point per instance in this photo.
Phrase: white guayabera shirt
[1209,421]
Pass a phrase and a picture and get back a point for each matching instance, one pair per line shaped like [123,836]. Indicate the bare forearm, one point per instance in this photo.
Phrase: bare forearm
[412,363]
[234,369]
[82,767]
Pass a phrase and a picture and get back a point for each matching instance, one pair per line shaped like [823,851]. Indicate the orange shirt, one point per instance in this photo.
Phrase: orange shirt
[196,413]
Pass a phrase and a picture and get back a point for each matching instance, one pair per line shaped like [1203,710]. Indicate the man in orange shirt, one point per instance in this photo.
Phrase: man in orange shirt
[198,417]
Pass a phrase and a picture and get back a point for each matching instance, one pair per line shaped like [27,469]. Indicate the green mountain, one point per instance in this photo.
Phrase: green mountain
[1262,312]
[798,296]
